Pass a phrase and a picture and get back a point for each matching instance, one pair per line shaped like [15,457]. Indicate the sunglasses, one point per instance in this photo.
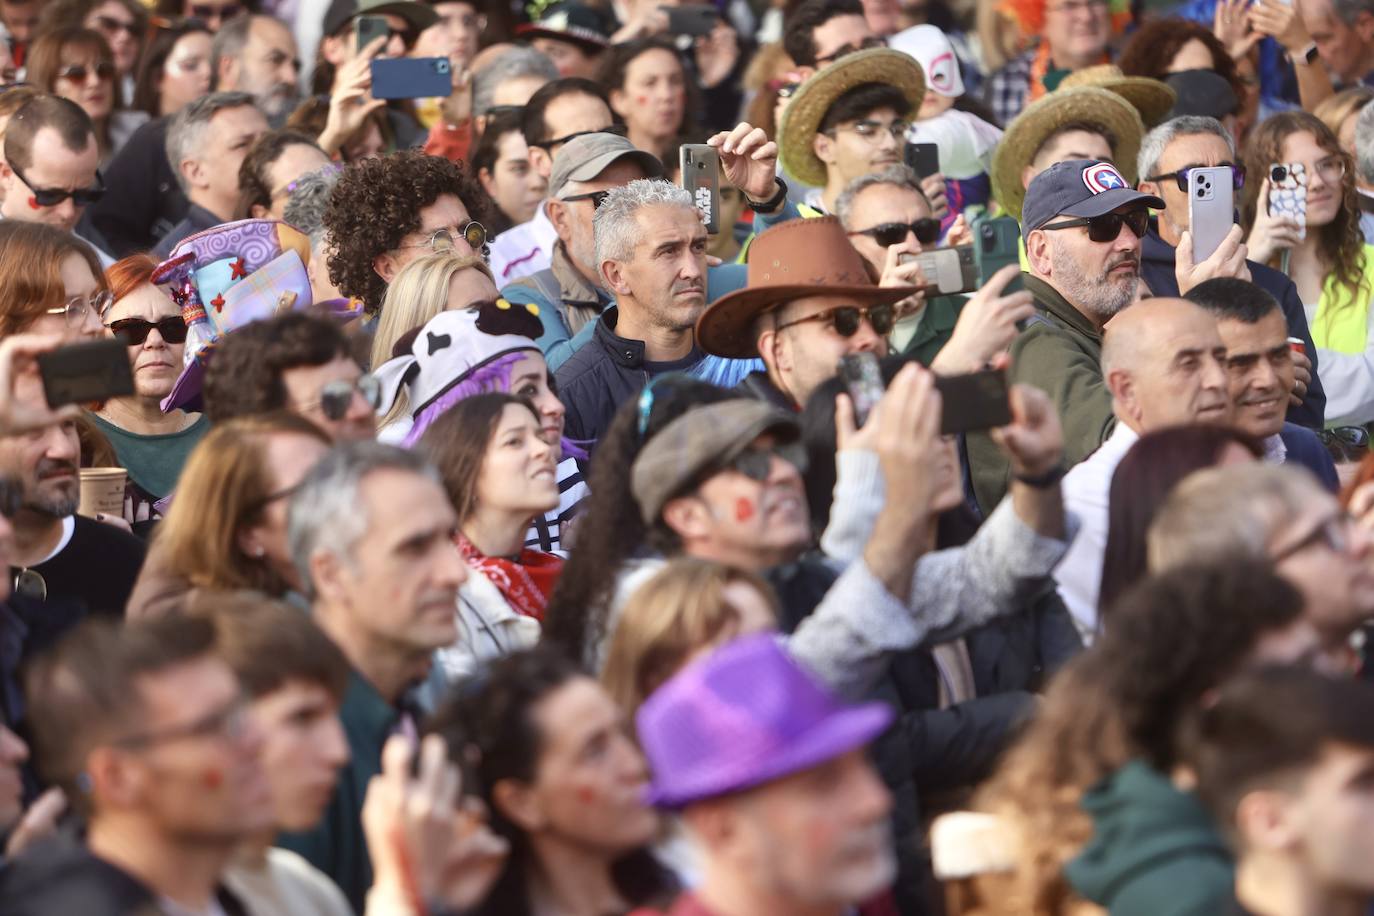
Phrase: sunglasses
[51,197]
[77,73]
[847,318]
[205,11]
[926,230]
[337,397]
[134,331]
[1181,176]
[474,233]
[548,145]
[111,24]
[1107,227]
[596,197]
[757,463]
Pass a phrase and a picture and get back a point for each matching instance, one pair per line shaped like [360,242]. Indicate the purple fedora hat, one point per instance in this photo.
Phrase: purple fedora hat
[743,716]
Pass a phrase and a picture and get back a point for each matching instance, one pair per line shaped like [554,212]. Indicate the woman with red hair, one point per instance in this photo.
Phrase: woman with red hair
[151,445]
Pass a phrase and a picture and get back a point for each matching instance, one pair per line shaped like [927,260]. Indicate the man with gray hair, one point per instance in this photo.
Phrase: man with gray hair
[509,81]
[371,533]
[305,210]
[257,54]
[1342,34]
[1364,170]
[206,144]
[1167,155]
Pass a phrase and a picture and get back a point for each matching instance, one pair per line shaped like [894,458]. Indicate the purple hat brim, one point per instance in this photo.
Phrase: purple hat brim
[185,393]
[844,730]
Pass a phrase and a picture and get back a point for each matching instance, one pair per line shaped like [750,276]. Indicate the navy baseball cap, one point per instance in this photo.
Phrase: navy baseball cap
[1079,187]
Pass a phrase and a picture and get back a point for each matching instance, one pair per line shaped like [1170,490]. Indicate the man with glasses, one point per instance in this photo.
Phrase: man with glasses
[143,727]
[1166,155]
[819,32]
[1073,35]
[296,362]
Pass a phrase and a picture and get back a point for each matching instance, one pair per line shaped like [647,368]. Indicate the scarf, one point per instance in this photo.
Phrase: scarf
[526,583]
[1045,78]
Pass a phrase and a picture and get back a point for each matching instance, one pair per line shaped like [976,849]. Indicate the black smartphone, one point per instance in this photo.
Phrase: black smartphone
[369,28]
[701,178]
[86,372]
[948,271]
[977,400]
[863,379]
[691,18]
[996,243]
[412,78]
[923,159]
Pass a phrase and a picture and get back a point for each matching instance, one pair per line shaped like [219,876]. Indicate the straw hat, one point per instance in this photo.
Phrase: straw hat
[1029,130]
[1151,98]
[803,115]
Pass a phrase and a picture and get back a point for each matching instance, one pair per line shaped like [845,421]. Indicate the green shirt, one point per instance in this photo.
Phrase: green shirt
[936,327]
[153,462]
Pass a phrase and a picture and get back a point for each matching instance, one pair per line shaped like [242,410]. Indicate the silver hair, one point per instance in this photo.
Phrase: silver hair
[305,206]
[327,512]
[1364,144]
[1348,11]
[510,65]
[186,133]
[1157,141]
[897,176]
[614,223]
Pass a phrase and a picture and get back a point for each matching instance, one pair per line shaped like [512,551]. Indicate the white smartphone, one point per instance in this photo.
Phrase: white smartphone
[1211,209]
[1288,193]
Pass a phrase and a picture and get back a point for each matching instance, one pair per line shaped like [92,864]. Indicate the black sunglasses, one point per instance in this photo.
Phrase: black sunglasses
[1181,176]
[78,72]
[847,318]
[1107,227]
[134,331]
[111,24]
[757,463]
[548,145]
[51,197]
[596,197]
[337,396]
[926,230]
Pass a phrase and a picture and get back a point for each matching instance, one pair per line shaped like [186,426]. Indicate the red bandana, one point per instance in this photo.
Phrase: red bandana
[525,583]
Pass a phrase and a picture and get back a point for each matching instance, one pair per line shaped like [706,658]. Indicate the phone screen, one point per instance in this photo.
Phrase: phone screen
[863,379]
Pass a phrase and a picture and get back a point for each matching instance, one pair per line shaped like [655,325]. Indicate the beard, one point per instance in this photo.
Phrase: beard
[278,102]
[1100,296]
[54,500]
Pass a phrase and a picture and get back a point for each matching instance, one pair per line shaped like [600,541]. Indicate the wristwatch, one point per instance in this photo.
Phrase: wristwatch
[1043,481]
[772,203]
[1308,55]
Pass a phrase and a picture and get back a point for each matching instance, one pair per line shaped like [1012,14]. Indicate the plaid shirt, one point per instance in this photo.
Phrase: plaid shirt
[1007,90]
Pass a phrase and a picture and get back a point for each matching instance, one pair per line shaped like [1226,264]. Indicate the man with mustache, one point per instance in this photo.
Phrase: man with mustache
[257,54]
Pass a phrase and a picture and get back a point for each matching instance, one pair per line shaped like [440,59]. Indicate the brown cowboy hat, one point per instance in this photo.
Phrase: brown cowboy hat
[1028,131]
[801,257]
[803,115]
[1151,98]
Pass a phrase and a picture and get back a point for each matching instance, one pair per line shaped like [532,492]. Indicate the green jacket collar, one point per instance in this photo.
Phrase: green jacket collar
[1049,300]
[365,713]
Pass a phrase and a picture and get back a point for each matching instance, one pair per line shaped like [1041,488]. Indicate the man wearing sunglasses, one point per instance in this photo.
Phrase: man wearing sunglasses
[1167,154]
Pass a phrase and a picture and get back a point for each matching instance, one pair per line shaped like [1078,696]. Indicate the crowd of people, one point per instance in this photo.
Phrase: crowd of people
[482,529]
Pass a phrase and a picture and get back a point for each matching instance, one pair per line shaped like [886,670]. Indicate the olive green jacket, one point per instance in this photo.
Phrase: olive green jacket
[936,327]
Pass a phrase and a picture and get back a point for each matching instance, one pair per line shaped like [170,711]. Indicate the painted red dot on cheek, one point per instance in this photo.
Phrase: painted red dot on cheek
[744,509]
[212,778]
[33,204]
[586,795]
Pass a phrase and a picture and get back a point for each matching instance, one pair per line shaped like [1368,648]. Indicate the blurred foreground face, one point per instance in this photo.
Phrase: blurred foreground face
[303,747]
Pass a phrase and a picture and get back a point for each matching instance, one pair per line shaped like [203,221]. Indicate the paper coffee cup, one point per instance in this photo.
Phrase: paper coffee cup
[102,491]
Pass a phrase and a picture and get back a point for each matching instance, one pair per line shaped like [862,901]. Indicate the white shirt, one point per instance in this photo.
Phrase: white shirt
[1087,491]
[966,142]
[524,249]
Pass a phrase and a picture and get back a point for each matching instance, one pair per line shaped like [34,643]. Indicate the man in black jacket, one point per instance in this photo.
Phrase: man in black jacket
[1166,155]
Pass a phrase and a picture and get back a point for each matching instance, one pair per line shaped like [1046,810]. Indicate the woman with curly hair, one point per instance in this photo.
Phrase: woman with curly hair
[1172,45]
[1326,256]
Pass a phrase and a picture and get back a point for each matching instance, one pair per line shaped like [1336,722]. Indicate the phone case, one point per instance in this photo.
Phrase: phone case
[996,243]
[370,28]
[411,78]
[691,19]
[977,400]
[863,379]
[1288,193]
[701,178]
[947,270]
[86,372]
[1211,211]
[923,159]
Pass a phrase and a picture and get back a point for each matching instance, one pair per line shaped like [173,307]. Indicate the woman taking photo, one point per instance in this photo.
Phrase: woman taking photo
[77,64]
[497,464]
[175,69]
[151,445]
[1327,257]
[226,529]
[647,84]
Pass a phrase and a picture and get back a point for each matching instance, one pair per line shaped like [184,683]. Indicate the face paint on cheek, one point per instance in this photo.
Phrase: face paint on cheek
[33,204]
[212,778]
[586,795]
[744,509]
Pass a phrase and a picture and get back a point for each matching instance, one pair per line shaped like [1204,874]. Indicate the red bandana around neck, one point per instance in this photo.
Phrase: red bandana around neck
[526,582]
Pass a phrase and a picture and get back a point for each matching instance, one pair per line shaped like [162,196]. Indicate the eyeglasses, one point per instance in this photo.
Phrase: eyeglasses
[845,50]
[228,722]
[757,463]
[474,233]
[1107,227]
[407,36]
[501,111]
[337,396]
[1332,532]
[926,230]
[1332,169]
[111,24]
[77,73]
[1181,176]
[205,11]
[76,309]
[873,130]
[134,331]
[847,318]
[548,145]
[596,197]
[51,197]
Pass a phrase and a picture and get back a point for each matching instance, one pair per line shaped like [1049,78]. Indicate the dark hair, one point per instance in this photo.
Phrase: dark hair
[488,152]
[148,73]
[254,183]
[799,30]
[493,722]
[532,123]
[377,203]
[74,127]
[86,689]
[615,68]
[173,9]
[611,529]
[58,13]
[312,114]
[1269,724]
[456,444]
[1087,127]
[44,58]
[854,104]
[1155,43]
[1148,473]
[1234,299]
[244,378]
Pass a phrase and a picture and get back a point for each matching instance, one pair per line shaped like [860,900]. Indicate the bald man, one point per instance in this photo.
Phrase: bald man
[1165,365]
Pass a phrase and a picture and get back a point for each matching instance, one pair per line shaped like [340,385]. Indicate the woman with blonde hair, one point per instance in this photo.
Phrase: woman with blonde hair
[226,528]
[1339,112]
[425,287]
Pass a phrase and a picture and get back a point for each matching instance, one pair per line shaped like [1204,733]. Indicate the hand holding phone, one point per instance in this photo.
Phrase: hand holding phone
[412,78]
[863,379]
[701,178]
[1033,437]
[976,400]
[23,407]
[1288,193]
[691,19]
[1211,208]
[86,372]
[367,29]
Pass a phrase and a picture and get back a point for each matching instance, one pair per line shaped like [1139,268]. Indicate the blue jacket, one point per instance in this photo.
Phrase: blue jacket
[1305,449]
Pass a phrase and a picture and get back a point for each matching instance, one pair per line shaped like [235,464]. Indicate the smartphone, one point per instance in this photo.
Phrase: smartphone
[691,19]
[369,28]
[974,401]
[411,78]
[1211,211]
[996,243]
[947,270]
[86,372]
[701,178]
[863,379]
[1288,193]
[923,159]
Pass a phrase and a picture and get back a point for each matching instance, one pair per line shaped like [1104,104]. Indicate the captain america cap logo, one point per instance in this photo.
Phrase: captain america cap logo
[1103,177]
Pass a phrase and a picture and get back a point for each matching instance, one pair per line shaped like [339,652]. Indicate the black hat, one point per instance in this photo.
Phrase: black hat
[1202,92]
[418,16]
[572,22]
